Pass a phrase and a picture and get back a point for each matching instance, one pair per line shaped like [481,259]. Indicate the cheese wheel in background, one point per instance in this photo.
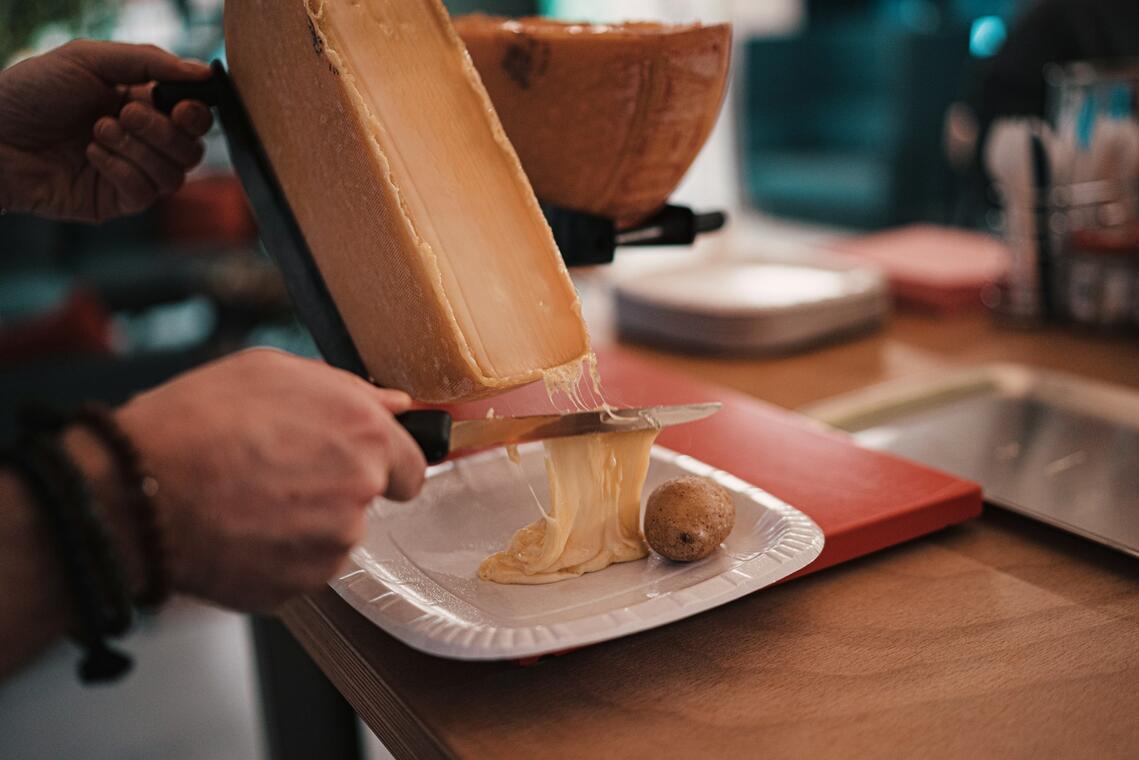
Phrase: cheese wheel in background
[409,194]
[606,118]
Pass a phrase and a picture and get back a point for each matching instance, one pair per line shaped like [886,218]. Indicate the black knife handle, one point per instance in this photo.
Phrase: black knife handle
[166,95]
[431,429]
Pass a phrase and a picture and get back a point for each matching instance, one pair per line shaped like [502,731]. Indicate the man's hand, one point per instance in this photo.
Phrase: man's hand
[79,138]
[265,464]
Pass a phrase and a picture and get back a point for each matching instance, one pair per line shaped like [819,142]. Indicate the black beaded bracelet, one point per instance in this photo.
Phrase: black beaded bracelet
[139,490]
[100,554]
[58,489]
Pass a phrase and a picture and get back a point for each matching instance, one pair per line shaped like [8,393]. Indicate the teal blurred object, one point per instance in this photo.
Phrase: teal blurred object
[21,21]
[179,326]
[987,36]
[595,11]
[842,123]
[293,338]
[493,7]
[25,295]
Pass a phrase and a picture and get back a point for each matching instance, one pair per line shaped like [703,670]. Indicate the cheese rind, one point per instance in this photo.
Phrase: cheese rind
[410,197]
[606,118]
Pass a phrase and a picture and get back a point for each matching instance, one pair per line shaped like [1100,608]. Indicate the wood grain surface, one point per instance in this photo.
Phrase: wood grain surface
[998,638]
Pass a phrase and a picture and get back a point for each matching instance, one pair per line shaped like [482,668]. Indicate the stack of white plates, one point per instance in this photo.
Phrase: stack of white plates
[751,306]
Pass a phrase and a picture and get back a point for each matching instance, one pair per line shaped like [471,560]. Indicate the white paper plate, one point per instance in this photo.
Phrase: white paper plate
[414,575]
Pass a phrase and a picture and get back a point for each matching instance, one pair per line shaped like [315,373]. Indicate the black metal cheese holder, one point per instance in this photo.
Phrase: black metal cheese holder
[583,239]
[279,231]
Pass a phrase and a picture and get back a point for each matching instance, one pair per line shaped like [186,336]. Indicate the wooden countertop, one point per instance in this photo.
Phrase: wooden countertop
[1000,637]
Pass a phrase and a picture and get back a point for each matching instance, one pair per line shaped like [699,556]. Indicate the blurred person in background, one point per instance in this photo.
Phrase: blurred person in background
[264,462]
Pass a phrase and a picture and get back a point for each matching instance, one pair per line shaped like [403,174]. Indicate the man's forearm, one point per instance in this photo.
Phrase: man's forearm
[35,600]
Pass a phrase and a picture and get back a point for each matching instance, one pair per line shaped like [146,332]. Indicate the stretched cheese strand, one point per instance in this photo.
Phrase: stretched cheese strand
[594,516]
[579,382]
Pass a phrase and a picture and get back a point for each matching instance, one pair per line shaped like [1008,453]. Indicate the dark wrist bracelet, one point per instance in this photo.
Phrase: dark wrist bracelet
[97,550]
[139,490]
[89,566]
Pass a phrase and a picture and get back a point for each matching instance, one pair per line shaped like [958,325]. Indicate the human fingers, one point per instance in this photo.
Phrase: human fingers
[193,118]
[158,131]
[406,466]
[123,63]
[133,190]
[160,171]
[394,401]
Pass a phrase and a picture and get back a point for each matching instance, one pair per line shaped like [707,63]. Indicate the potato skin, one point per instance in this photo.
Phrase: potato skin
[687,518]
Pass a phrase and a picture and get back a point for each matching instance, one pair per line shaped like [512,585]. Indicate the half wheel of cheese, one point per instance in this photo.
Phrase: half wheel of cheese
[606,118]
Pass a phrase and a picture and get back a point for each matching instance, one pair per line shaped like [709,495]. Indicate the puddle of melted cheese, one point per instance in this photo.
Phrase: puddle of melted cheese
[594,519]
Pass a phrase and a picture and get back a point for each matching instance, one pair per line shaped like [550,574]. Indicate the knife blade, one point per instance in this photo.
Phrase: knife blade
[438,435]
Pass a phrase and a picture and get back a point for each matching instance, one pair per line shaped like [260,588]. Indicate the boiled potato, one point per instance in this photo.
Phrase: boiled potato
[688,517]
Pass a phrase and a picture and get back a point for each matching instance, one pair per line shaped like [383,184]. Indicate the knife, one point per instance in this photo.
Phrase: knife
[439,435]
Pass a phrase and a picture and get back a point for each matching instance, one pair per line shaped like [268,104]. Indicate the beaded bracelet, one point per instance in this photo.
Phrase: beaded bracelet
[139,490]
[90,568]
[72,491]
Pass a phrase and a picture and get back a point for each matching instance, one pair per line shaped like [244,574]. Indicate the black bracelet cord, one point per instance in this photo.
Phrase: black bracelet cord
[91,566]
[139,490]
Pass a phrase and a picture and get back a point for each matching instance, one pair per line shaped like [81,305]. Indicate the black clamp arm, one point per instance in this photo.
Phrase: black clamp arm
[588,240]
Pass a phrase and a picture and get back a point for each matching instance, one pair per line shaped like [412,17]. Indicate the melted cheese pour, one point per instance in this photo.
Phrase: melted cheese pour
[595,484]
[595,511]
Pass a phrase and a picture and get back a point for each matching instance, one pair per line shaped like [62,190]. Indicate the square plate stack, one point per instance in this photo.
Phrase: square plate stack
[751,306]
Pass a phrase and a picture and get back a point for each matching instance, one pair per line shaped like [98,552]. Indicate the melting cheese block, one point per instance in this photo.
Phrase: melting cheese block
[606,118]
[408,192]
[594,517]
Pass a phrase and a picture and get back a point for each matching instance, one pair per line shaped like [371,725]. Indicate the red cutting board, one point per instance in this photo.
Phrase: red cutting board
[863,500]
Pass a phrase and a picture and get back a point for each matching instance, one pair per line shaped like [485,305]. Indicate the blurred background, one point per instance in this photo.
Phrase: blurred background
[844,119]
